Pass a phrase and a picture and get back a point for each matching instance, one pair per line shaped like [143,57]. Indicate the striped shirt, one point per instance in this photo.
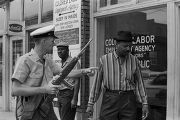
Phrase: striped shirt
[115,75]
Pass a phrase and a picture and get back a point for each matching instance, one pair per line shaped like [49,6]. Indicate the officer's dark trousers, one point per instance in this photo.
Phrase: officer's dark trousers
[39,114]
[118,106]
[65,110]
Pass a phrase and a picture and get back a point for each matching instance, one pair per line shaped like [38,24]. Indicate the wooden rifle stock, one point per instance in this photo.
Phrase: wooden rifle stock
[68,68]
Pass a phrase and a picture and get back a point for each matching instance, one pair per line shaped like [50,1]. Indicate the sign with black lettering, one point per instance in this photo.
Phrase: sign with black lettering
[67,20]
[71,35]
[16,28]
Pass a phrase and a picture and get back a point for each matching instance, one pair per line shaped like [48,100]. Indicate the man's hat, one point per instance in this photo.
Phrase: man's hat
[124,36]
[44,32]
[62,44]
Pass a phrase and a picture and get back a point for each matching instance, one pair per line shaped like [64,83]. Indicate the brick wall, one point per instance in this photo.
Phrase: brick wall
[85,33]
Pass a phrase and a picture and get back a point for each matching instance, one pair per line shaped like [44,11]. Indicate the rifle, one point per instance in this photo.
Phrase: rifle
[67,69]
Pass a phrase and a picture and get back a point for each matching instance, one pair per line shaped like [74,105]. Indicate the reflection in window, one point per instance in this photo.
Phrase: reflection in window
[47,14]
[114,2]
[31,12]
[153,56]
[15,10]
[144,1]
[3,16]
[149,30]
[103,3]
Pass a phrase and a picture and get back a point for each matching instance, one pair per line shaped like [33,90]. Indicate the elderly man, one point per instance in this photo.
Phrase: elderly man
[120,75]
[31,80]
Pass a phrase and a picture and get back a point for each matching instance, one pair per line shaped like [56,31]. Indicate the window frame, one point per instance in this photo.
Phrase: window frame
[173,57]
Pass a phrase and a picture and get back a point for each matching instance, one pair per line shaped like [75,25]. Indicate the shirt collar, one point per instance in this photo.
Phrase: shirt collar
[116,56]
[67,61]
[34,55]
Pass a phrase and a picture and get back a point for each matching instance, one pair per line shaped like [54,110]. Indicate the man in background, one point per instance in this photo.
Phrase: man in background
[67,97]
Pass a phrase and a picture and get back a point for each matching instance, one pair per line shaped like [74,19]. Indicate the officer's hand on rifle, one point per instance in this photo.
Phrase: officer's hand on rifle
[73,103]
[89,110]
[50,88]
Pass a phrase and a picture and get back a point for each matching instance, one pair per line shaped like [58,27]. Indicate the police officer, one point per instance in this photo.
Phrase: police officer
[31,80]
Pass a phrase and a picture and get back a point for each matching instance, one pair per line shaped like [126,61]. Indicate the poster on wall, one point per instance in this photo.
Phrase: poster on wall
[67,20]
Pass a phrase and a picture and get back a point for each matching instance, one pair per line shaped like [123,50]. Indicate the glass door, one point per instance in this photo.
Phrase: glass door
[149,29]
[16,50]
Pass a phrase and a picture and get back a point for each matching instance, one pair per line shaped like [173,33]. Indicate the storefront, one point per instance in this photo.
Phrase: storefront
[30,15]
[13,44]
[155,28]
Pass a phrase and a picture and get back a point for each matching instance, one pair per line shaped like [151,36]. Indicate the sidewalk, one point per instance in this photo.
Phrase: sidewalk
[7,115]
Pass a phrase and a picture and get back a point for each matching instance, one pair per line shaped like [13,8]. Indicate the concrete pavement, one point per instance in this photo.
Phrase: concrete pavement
[7,115]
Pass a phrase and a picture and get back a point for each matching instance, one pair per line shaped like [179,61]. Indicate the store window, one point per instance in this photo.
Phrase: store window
[103,3]
[31,45]
[107,3]
[15,10]
[114,2]
[47,12]
[31,11]
[149,29]
[3,16]
[140,1]
[17,51]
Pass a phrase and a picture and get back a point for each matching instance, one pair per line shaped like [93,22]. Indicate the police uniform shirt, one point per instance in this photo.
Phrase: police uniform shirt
[30,70]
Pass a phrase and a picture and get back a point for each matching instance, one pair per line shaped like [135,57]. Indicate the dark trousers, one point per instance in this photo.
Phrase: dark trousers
[118,106]
[40,115]
[65,110]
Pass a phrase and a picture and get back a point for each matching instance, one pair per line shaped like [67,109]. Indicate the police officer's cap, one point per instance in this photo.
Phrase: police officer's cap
[44,32]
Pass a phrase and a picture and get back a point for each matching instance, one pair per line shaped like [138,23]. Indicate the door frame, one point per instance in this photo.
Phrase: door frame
[12,39]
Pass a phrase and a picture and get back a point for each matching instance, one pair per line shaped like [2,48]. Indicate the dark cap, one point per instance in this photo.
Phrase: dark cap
[62,44]
[44,32]
[124,36]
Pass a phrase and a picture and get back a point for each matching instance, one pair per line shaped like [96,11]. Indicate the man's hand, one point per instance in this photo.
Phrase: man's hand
[89,110]
[48,57]
[50,88]
[73,103]
[145,111]
[89,71]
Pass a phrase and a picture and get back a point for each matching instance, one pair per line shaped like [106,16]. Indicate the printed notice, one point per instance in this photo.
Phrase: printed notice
[67,19]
